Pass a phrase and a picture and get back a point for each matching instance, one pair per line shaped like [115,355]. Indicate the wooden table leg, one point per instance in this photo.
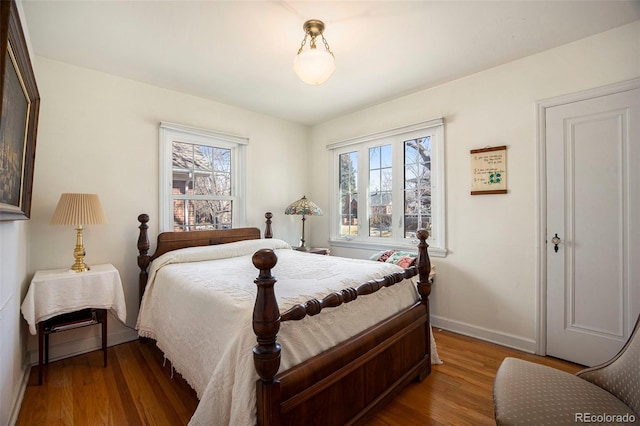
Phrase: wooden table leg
[40,351]
[103,315]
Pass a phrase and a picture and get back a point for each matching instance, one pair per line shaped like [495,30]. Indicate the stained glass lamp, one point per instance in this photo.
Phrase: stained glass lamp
[305,208]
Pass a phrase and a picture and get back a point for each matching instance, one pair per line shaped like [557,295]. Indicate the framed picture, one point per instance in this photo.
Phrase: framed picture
[489,170]
[18,117]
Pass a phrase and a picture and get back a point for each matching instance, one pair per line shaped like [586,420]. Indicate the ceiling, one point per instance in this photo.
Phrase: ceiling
[241,52]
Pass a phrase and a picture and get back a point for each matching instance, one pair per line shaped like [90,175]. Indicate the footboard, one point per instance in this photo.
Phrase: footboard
[345,383]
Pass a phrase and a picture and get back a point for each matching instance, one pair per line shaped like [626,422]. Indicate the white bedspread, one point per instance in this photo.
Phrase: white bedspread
[199,312]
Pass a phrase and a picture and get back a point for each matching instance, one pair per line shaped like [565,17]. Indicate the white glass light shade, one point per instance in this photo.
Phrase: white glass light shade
[314,66]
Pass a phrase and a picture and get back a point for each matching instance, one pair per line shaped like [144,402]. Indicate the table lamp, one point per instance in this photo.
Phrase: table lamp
[79,210]
[305,208]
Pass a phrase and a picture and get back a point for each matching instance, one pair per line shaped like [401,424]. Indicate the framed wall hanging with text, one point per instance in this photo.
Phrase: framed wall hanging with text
[489,170]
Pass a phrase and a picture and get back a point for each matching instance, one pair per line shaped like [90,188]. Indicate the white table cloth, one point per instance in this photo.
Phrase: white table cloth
[60,291]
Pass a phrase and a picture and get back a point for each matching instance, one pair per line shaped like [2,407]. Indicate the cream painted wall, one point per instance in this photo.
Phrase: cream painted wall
[14,281]
[13,330]
[486,285]
[99,133]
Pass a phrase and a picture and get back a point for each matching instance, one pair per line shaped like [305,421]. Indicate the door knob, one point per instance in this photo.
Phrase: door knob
[555,240]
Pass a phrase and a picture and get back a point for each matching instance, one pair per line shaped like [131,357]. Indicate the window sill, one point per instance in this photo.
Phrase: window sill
[433,251]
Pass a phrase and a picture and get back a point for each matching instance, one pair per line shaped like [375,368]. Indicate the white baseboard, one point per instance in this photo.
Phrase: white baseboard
[26,369]
[493,336]
[82,346]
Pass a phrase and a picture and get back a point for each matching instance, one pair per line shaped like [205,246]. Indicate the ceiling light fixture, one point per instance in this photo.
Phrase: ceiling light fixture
[312,65]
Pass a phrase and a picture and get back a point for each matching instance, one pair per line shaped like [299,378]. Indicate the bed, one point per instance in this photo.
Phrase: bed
[282,351]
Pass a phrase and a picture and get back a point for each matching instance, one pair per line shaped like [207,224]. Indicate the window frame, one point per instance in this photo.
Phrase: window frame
[397,137]
[171,132]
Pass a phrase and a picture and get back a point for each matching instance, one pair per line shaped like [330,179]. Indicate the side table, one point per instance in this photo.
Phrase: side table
[320,250]
[61,299]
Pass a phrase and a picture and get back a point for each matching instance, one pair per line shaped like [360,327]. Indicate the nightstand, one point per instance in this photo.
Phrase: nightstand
[319,250]
[60,300]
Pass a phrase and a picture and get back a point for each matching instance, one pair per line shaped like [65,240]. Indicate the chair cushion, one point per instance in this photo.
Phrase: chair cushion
[526,393]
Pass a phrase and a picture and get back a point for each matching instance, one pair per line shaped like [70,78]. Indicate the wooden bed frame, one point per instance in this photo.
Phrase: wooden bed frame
[344,384]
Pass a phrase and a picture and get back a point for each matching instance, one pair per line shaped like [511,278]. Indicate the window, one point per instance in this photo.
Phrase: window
[201,179]
[372,174]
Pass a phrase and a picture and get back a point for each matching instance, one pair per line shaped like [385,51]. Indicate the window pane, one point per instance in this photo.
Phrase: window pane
[202,157]
[223,214]
[385,154]
[374,181]
[179,215]
[221,160]
[374,158]
[190,218]
[204,214]
[380,195]
[182,167]
[348,195]
[212,214]
[181,183]
[379,223]
[191,215]
[417,186]
[202,184]
[182,155]
[221,183]
[410,152]
[386,178]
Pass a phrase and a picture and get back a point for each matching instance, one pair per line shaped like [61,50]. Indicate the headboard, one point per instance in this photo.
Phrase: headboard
[168,241]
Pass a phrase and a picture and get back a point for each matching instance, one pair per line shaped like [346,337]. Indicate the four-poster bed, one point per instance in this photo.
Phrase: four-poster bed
[311,364]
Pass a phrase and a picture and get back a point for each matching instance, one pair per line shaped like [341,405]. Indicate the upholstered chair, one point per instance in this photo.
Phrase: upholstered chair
[526,393]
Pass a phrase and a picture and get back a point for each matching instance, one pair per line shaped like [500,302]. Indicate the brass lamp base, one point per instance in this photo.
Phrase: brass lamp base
[80,267]
[78,253]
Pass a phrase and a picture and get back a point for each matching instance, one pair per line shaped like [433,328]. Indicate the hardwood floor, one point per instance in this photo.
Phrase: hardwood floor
[458,392]
[136,389]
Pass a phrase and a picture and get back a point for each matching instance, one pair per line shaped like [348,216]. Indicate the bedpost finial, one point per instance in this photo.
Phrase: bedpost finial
[264,259]
[143,218]
[268,233]
[422,235]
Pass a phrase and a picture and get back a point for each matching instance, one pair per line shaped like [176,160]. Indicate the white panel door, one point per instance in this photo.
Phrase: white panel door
[593,187]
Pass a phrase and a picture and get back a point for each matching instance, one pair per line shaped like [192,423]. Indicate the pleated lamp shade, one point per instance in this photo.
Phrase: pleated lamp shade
[79,209]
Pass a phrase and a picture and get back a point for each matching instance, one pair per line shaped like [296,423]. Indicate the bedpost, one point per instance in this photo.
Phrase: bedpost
[266,354]
[423,264]
[143,248]
[268,233]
